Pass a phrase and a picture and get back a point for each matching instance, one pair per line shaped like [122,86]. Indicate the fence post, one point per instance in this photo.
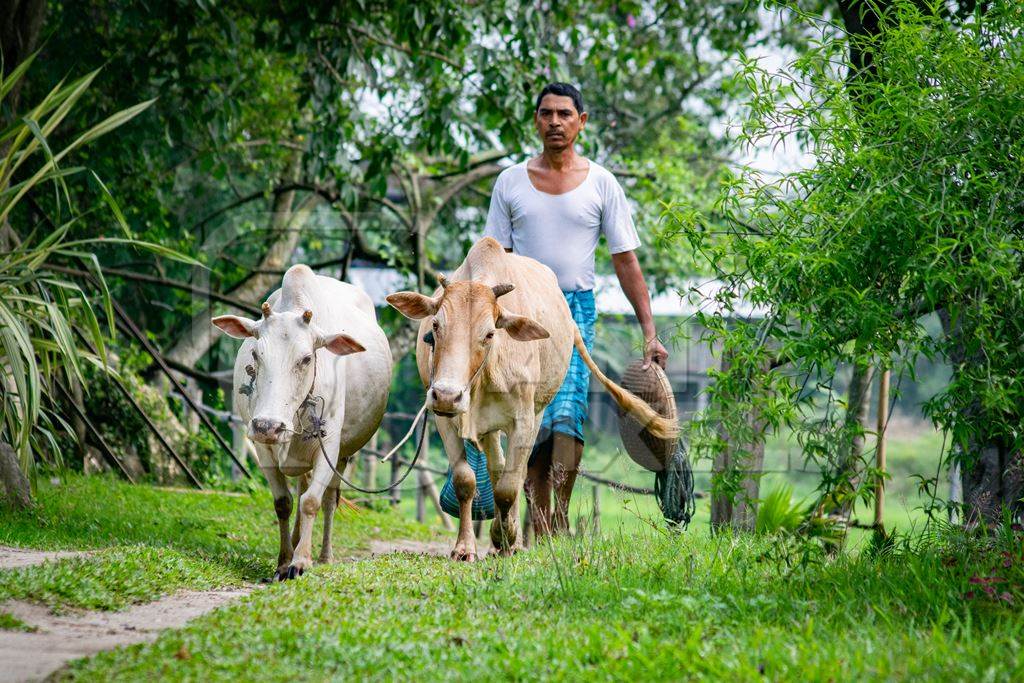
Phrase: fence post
[883,418]
[420,458]
[396,494]
[528,532]
[370,475]
[597,508]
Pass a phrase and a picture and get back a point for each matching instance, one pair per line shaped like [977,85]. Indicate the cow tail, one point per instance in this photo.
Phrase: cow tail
[658,426]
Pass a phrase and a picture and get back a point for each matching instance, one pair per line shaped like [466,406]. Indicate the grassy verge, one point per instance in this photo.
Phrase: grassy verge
[638,606]
[9,622]
[157,541]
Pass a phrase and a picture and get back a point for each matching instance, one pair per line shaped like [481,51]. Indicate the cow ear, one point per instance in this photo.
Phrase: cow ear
[236,327]
[520,328]
[339,344]
[413,305]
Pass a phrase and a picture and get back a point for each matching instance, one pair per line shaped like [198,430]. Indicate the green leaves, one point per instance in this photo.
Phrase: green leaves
[48,326]
[913,206]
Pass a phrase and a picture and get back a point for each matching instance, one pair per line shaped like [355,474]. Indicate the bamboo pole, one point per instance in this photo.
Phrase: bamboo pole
[370,473]
[883,419]
[427,486]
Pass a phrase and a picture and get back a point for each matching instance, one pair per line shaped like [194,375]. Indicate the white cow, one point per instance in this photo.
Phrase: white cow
[294,366]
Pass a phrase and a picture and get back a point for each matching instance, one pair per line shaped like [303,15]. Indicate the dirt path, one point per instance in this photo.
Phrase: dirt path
[12,558]
[58,639]
[436,548]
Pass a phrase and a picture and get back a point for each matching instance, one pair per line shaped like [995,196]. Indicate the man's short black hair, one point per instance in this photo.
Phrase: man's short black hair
[563,90]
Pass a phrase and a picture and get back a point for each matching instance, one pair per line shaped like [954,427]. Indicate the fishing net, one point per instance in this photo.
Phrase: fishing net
[667,458]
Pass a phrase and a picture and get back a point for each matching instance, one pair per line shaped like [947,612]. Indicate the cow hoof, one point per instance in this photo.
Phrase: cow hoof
[462,555]
[291,572]
[505,552]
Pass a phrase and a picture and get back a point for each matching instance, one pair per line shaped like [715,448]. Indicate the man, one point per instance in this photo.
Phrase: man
[554,208]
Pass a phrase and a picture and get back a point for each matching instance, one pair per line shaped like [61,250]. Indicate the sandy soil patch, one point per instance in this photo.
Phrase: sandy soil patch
[436,548]
[13,558]
[61,638]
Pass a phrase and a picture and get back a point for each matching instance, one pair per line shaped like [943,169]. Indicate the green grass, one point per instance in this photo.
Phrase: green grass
[158,541]
[633,603]
[9,622]
[642,606]
[114,578]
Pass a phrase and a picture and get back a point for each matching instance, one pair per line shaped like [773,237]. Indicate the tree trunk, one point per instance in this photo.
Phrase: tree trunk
[286,225]
[742,455]
[850,463]
[20,24]
[740,511]
[17,491]
[837,503]
[992,472]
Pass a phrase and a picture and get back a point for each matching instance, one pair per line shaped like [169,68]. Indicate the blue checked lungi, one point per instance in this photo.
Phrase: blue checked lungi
[565,414]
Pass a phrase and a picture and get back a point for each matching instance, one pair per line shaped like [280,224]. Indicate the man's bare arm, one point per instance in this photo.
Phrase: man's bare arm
[631,278]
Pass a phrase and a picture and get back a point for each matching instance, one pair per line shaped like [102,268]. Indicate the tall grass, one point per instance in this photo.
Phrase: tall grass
[49,323]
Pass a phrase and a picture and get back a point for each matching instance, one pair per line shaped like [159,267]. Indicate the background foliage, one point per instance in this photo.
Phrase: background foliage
[912,208]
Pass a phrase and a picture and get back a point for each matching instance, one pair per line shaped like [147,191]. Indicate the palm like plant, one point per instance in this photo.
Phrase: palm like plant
[778,512]
[49,328]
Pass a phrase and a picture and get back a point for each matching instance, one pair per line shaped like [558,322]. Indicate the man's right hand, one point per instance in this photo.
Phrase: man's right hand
[655,351]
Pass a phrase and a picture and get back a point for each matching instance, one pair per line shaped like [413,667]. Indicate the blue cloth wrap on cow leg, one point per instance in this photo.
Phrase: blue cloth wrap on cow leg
[565,414]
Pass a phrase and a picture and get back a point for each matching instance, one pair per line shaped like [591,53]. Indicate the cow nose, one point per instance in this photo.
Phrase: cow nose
[266,427]
[446,395]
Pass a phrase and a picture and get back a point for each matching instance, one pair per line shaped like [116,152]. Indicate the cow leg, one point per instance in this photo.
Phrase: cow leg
[283,507]
[464,479]
[309,505]
[330,505]
[538,488]
[505,532]
[301,484]
[566,455]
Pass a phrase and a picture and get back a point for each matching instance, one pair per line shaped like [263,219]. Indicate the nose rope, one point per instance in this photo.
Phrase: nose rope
[316,430]
[313,407]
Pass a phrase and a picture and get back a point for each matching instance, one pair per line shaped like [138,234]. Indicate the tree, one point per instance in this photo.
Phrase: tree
[377,99]
[913,207]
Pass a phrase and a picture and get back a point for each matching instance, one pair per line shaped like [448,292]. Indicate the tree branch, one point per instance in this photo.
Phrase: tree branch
[163,282]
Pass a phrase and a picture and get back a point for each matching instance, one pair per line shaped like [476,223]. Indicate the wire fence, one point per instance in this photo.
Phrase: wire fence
[364,468]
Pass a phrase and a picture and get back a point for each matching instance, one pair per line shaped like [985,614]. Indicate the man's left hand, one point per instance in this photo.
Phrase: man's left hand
[655,351]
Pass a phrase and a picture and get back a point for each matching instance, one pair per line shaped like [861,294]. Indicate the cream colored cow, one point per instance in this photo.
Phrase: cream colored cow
[494,368]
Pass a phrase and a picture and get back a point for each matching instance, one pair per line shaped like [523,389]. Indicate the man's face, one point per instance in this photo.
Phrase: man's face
[558,122]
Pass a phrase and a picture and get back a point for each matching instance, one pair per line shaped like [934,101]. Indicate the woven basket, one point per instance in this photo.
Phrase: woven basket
[652,386]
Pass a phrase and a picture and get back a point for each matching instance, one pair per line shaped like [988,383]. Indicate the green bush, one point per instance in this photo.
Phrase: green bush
[777,512]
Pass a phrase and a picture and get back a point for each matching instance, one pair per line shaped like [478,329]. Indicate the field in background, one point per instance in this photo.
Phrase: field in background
[914,450]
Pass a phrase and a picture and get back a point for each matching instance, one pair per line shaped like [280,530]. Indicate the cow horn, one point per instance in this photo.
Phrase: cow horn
[266,309]
[443,281]
[500,290]
[307,316]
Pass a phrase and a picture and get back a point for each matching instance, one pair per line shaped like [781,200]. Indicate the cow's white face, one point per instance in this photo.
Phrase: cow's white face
[465,317]
[280,368]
